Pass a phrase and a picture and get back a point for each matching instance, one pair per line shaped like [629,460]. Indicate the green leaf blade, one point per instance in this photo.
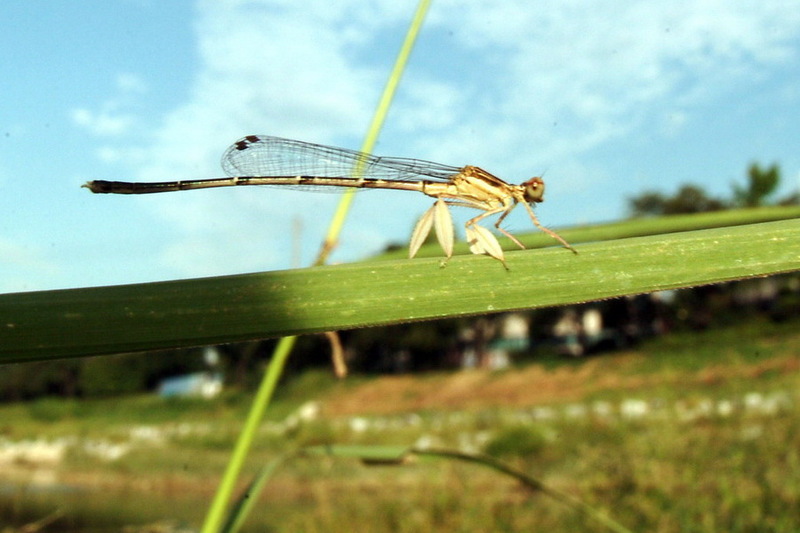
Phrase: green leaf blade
[99,320]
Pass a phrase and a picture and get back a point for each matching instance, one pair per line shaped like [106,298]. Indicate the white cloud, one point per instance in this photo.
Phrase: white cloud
[597,69]
[111,120]
[128,82]
[104,123]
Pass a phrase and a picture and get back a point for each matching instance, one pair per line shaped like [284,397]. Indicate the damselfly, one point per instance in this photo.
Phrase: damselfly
[265,160]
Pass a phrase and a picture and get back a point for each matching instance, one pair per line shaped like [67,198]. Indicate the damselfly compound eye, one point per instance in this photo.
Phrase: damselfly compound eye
[534,190]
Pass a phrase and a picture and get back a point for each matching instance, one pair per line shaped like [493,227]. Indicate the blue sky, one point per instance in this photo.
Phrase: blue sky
[606,99]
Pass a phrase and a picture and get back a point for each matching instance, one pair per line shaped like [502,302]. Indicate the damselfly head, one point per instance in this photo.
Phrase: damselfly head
[533,190]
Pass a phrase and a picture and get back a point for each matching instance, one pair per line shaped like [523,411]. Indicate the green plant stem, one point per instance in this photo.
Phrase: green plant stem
[216,512]
[526,480]
[379,117]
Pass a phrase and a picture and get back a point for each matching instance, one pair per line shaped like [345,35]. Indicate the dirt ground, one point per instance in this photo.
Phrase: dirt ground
[535,385]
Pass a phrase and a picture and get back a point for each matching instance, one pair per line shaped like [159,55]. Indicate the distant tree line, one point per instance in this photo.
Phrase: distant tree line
[762,182]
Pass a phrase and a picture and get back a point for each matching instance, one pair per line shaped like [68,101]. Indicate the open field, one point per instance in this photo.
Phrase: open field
[691,432]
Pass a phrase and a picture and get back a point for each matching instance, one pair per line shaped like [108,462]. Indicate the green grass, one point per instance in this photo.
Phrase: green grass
[736,472]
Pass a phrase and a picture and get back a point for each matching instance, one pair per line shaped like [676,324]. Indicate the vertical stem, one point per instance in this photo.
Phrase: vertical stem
[216,513]
[378,119]
[214,518]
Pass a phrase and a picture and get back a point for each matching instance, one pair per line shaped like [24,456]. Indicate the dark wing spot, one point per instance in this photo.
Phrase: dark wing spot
[245,143]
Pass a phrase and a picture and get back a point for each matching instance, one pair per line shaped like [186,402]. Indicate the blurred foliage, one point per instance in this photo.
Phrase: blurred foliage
[50,409]
[762,182]
[91,377]
[688,199]
[730,466]
[520,441]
